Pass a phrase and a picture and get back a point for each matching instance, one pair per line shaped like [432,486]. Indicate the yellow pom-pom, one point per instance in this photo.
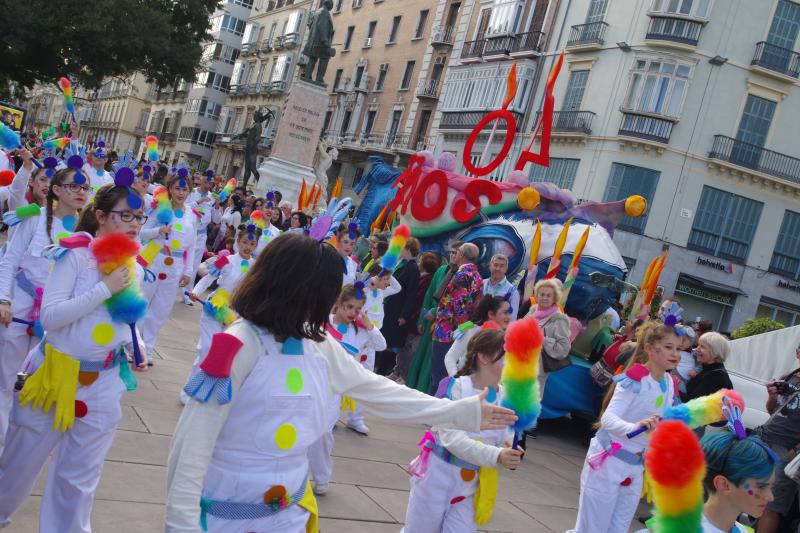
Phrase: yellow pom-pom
[528,198]
[635,206]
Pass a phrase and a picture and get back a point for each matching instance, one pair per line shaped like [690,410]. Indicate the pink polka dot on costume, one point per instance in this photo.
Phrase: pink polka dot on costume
[457,499]
[659,401]
[363,358]
[285,436]
[80,409]
[162,276]
[103,334]
[175,244]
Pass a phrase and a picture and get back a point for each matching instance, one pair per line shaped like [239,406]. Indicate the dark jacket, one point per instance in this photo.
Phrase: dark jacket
[712,378]
[401,305]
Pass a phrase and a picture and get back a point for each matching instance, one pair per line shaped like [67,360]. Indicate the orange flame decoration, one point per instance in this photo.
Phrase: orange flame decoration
[511,86]
[641,305]
[555,261]
[301,199]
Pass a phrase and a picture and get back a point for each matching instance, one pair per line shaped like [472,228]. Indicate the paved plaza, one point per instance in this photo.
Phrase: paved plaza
[370,487]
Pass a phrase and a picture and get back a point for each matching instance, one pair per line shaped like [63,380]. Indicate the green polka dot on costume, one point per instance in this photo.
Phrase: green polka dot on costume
[659,401]
[62,235]
[175,244]
[294,381]
[285,436]
[376,309]
[103,334]
[178,227]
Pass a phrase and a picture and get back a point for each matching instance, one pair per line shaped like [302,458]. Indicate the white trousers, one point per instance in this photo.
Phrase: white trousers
[357,417]
[199,248]
[606,505]
[77,462]
[320,461]
[429,505]
[15,343]
[161,295]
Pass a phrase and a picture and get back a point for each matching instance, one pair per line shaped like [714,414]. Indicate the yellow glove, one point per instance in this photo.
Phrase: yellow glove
[348,404]
[38,388]
[486,494]
[68,369]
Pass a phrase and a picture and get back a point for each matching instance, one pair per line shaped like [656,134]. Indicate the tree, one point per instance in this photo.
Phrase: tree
[89,40]
[755,326]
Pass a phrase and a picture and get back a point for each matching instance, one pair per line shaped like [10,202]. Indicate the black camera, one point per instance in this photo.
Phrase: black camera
[784,388]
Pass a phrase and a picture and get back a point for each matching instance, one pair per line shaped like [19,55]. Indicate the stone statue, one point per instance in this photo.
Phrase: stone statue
[318,48]
[324,161]
[252,136]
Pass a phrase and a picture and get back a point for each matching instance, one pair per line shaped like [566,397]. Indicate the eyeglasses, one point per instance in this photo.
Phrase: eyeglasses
[127,216]
[75,188]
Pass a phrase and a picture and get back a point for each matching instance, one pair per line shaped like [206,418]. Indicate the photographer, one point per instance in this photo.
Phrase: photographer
[782,434]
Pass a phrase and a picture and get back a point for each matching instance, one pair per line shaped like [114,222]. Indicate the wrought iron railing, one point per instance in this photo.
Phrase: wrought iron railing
[777,59]
[428,89]
[473,49]
[466,120]
[571,121]
[498,46]
[442,35]
[528,42]
[646,126]
[674,29]
[585,34]
[756,157]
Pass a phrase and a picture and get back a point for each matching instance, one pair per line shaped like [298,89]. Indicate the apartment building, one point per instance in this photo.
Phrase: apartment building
[117,113]
[45,104]
[693,105]
[261,77]
[386,79]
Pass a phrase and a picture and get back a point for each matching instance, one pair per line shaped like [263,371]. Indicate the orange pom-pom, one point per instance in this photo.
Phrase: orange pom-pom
[674,457]
[523,336]
[6,177]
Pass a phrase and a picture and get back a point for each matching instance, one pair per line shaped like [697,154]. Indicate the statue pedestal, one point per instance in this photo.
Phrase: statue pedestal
[296,141]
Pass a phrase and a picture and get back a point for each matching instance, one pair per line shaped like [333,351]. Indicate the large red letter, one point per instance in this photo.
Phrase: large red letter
[472,194]
[419,208]
[511,127]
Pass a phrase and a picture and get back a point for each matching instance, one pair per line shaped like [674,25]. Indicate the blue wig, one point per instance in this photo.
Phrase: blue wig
[737,460]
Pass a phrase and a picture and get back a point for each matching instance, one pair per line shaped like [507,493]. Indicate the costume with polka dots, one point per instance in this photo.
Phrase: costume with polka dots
[170,264]
[89,349]
[267,236]
[442,498]
[23,274]
[204,212]
[375,297]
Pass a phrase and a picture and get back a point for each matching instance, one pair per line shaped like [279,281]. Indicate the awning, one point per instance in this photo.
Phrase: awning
[712,285]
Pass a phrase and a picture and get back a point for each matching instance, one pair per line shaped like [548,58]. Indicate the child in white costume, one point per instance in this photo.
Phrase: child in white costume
[379,287]
[171,267]
[281,370]
[202,204]
[84,351]
[443,487]
[346,236]
[23,273]
[270,231]
[611,485]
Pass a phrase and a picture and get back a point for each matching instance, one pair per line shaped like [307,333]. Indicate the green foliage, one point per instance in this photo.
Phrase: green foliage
[756,326]
[89,40]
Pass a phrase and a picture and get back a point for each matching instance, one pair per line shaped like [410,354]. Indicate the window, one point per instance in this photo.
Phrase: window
[337,79]
[753,129]
[370,121]
[348,38]
[357,3]
[381,81]
[626,180]
[232,25]
[407,74]
[143,116]
[421,21]
[561,172]
[575,89]
[371,29]
[786,256]
[658,86]
[783,313]
[785,25]
[293,24]
[724,224]
[338,6]
[239,75]
[597,11]
[281,68]
[690,8]
[250,32]
[395,27]
[245,3]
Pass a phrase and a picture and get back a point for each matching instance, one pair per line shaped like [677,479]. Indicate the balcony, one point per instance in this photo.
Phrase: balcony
[266,45]
[249,49]
[571,122]
[404,142]
[443,36]
[498,46]
[775,61]
[138,131]
[645,126]
[290,40]
[754,157]
[278,86]
[672,29]
[527,44]
[277,43]
[361,85]
[587,36]
[466,120]
[342,86]
[168,137]
[472,51]
[428,89]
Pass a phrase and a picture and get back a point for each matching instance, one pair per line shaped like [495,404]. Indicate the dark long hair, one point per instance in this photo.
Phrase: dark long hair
[291,288]
[487,304]
[57,179]
[488,342]
[107,197]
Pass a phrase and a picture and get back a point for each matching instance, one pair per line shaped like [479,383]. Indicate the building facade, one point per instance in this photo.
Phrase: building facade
[45,104]
[260,79]
[118,113]
[693,105]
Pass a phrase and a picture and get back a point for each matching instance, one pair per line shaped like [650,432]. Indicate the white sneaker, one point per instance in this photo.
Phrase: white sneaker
[184,398]
[321,489]
[359,427]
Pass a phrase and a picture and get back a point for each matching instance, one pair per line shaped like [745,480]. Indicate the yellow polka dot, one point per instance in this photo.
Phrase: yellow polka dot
[175,244]
[285,436]
[103,334]
[294,380]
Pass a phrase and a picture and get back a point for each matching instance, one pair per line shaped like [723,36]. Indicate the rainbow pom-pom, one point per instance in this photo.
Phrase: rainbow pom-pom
[705,409]
[396,244]
[227,190]
[164,212]
[112,251]
[257,218]
[523,347]
[57,144]
[66,88]
[152,147]
[675,467]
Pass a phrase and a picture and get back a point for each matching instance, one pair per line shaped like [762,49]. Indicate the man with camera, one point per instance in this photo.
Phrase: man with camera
[782,433]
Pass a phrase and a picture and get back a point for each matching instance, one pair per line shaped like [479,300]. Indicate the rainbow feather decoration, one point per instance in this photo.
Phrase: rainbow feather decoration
[128,305]
[675,467]
[398,241]
[257,218]
[700,411]
[227,190]
[56,144]
[523,347]
[69,102]
[152,147]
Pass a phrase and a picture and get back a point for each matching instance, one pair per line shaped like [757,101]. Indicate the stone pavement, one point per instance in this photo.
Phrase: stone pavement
[369,492]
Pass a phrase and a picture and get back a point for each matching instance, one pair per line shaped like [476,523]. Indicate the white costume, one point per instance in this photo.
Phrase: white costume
[505,290]
[206,211]
[374,304]
[610,494]
[23,274]
[280,398]
[350,270]
[79,325]
[169,265]
[456,356]
[267,235]
[441,501]
[14,196]
[229,218]
[97,178]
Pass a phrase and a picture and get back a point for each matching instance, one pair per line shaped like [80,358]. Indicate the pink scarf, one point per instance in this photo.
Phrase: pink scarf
[541,315]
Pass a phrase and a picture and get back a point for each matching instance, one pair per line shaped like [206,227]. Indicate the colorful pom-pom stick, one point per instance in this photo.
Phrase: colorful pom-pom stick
[151,141]
[129,305]
[9,139]
[57,144]
[396,244]
[700,411]
[227,190]
[675,467]
[523,346]
[69,102]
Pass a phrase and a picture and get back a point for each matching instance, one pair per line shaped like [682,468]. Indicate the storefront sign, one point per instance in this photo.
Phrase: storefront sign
[705,294]
[716,265]
[788,285]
